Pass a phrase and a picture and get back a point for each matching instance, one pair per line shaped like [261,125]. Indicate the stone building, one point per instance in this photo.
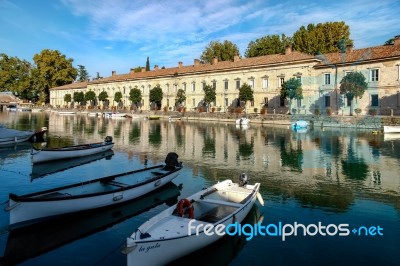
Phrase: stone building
[320,77]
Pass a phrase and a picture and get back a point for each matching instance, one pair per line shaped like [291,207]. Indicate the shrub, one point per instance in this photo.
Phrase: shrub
[317,111]
[357,111]
[255,110]
[329,111]
[373,111]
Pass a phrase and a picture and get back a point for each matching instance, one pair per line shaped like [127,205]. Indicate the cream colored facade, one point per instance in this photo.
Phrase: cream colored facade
[320,77]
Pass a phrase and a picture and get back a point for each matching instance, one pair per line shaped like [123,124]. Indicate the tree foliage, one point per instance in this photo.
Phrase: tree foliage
[67,98]
[209,94]
[79,97]
[156,95]
[245,93]
[83,75]
[135,96]
[147,64]
[15,76]
[222,51]
[103,96]
[90,96]
[322,38]
[118,97]
[353,85]
[180,97]
[270,44]
[291,89]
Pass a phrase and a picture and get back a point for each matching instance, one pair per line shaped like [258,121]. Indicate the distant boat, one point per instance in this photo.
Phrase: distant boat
[97,193]
[174,118]
[243,121]
[66,112]
[53,154]
[167,236]
[300,124]
[391,129]
[92,114]
[154,117]
[23,244]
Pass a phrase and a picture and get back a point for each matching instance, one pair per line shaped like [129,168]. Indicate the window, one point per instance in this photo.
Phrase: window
[265,83]
[252,103]
[374,100]
[238,84]
[266,101]
[214,84]
[327,101]
[298,78]
[175,87]
[374,75]
[167,86]
[281,101]
[226,102]
[184,86]
[226,85]
[327,79]
[348,101]
[281,81]
[251,83]
[194,103]
[204,84]
[193,86]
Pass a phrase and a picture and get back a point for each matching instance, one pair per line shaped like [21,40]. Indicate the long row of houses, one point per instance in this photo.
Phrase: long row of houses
[320,76]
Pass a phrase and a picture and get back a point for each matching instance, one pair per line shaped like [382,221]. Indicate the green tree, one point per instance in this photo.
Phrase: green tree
[291,89]
[137,69]
[156,96]
[135,96]
[322,38]
[83,75]
[97,76]
[53,69]
[103,97]
[209,94]
[222,51]
[147,64]
[90,96]
[353,85]
[245,93]
[67,98]
[270,44]
[118,97]
[15,76]
[180,97]
[79,97]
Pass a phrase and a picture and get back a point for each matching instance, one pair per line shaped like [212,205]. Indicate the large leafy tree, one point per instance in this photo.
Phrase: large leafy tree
[156,96]
[322,38]
[209,94]
[180,97]
[53,69]
[83,75]
[353,85]
[67,98]
[90,96]
[79,97]
[135,96]
[222,51]
[103,97]
[118,97]
[291,89]
[245,93]
[15,76]
[270,44]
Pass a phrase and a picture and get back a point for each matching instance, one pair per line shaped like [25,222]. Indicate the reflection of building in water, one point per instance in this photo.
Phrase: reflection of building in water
[268,153]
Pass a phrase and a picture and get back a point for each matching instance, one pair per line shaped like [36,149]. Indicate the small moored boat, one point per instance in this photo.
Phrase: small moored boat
[300,124]
[102,192]
[174,233]
[11,136]
[53,154]
[243,121]
[391,129]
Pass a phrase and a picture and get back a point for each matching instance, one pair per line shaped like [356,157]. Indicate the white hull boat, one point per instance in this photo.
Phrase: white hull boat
[66,113]
[391,129]
[49,154]
[102,192]
[243,121]
[169,235]
[12,136]
[300,124]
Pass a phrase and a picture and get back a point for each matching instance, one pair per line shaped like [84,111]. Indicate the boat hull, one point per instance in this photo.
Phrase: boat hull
[23,213]
[45,155]
[391,129]
[12,136]
[163,251]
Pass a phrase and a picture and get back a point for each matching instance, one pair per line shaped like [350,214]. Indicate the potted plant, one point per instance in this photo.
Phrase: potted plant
[329,111]
[373,111]
[357,111]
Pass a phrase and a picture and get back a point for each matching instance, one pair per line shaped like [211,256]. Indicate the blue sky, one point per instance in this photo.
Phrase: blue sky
[118,35]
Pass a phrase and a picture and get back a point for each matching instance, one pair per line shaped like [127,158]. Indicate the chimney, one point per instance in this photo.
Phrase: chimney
[236,58]
[155,67]
[196,62]
[349,48]
[214,61]
[113,73]
[288,50]
[397,40]
[180,64]
[132,70]
[143,69]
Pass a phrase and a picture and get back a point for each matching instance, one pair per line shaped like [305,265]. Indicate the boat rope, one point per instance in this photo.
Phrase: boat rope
[119,247]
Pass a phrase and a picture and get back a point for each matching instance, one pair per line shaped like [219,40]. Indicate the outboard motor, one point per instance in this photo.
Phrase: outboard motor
[171,161]
[243,178]
[108,139]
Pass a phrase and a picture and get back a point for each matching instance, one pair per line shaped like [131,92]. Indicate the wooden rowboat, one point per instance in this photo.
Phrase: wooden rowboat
[97,193]
[169,235]
[53,154]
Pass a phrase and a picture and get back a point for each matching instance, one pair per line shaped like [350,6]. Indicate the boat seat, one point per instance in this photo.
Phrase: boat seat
[115,183]
[221,202]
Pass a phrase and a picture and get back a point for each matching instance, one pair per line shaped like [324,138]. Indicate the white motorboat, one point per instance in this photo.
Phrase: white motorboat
[66,112]
[243,121]
[391,129]
[300,124]
[97,193]
[68,152]
[172,233]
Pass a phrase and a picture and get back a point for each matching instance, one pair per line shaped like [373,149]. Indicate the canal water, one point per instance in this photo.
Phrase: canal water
[332,196]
